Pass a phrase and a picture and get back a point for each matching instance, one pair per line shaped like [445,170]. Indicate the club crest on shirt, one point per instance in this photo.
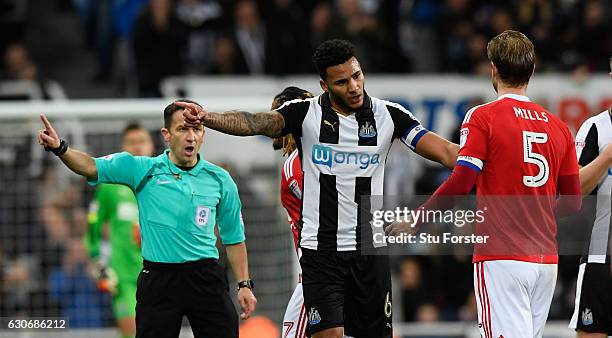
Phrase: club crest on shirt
[201,216]
[367,130]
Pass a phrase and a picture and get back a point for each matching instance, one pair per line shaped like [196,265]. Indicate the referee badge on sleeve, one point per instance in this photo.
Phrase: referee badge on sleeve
[201,216]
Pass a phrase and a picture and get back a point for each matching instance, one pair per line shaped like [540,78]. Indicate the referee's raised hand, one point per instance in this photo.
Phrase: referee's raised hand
[47,137]
[247,302]
[192,113]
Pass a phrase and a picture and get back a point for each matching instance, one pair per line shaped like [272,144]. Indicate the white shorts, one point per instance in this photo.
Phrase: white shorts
[513,297]
[294,321]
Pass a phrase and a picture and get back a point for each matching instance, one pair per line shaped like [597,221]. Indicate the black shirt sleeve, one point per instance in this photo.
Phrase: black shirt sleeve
[403,120]
[294,112]
[591,147]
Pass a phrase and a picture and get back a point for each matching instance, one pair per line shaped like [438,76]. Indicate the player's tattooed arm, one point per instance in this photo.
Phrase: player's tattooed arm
[243,123]
[239,123]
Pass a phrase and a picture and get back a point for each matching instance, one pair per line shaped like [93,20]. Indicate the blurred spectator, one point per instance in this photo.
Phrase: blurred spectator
[417,34]
[97,20]
[159,44]
[250,35]
[324,25]
[596,36]
[17,64]
[361,26]
[225,61]
[428,313]
[468,312]
[413,293]
[12,21]
[202,20]
[62,208]
[288,48]
[71,286]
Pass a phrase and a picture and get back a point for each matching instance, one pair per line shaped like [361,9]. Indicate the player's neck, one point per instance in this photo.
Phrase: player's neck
[503,90]
[340,108]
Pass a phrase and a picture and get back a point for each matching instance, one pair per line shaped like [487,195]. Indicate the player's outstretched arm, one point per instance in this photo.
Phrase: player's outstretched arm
[239,123]
[591,174]
[436,148]
[75,160]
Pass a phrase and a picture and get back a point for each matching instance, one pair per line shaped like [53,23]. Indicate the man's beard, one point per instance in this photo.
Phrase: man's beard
[341,101]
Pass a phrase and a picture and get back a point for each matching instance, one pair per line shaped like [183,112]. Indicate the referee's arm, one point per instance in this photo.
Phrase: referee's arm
[75,160]
[237,256]
[231,231]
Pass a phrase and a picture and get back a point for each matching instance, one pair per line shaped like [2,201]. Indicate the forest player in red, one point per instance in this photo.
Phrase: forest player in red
[294,320]
[519,156]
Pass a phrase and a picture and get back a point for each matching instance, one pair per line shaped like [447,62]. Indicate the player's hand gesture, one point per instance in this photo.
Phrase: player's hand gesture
[400,227]
[247,302]
[192,113]
[47,137]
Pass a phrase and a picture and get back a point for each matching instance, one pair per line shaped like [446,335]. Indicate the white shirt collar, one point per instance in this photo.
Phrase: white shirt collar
[515,97]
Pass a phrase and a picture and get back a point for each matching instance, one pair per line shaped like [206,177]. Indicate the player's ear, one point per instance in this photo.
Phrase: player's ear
[323,85]
[493,70]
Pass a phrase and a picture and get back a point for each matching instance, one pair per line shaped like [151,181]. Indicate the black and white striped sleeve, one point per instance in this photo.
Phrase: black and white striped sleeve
[407,127]
[294,112]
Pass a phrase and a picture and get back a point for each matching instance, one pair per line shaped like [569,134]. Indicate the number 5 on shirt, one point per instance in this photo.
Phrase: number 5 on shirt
[529,156]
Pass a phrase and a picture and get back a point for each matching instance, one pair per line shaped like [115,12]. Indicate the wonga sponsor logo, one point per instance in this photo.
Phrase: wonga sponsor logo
[327,156]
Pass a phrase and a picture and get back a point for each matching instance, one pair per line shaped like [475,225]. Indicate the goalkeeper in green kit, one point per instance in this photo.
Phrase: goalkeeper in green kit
[114,213]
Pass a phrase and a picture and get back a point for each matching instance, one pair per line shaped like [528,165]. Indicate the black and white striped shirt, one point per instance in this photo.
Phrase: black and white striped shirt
[593,136]
[343,159]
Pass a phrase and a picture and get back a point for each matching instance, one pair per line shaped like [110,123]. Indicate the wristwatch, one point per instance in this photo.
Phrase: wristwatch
[60,150]
[248,283]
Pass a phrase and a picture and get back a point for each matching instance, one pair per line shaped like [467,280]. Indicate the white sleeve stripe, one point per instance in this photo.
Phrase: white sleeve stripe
[285,171]
[293,156]
[468,115]
[413,135]
[472,160]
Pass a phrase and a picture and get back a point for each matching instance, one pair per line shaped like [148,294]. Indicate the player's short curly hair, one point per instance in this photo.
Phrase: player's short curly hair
[171,108]
[331,53]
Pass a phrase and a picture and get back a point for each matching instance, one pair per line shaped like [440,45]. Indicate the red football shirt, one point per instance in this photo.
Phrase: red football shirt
[291,192]
[521,150]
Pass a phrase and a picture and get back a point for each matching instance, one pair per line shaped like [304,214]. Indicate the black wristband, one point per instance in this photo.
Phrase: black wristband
[59,151]
[246,284]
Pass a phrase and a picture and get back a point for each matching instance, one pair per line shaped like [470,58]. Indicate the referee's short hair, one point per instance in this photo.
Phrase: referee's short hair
[513,55]
[331,53]
[171,108]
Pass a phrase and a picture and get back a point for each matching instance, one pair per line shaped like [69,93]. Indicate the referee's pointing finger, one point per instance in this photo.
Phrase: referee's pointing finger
[46,121]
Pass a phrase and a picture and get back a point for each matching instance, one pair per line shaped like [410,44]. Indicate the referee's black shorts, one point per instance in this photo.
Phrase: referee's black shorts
[198,290]
[347,289]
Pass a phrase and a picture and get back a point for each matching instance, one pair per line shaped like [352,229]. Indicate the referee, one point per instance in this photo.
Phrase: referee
[181,197]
